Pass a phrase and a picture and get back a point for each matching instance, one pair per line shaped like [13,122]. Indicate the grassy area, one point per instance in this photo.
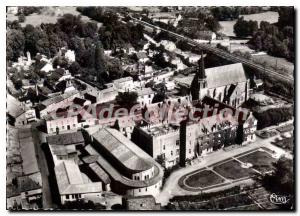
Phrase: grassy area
[232,170]
[203,179]
[261,161]
[270,16]
[283,66]
[47,15]
[287,143]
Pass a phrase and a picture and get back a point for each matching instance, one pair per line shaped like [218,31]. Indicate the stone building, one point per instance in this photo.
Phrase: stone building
[131,170]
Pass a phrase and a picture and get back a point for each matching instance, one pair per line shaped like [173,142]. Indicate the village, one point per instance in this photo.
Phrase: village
[153,121]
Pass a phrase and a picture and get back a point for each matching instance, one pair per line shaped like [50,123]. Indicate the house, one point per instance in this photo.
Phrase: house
[17,113]
[71,185]
[47,67]
[124,84]
[168,45]
[142,57]
[70,56]
[128,49]
[60,122]
[64,146]
[53,104]
[145,95]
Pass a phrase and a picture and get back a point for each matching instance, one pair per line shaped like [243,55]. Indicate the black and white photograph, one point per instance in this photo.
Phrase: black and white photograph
[150,108]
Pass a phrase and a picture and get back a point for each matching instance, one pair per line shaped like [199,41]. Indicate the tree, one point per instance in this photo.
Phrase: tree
[281,180]
[99,61]
[21,18]
[244,28]
[212,24]
[127,98]
[15,44]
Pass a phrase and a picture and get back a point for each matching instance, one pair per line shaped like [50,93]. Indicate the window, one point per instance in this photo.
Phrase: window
[67,196]
[177,142]
[139,190]
[171,153]
[146,189]
[190,151]
[74,125]
[63,127]
[164,147]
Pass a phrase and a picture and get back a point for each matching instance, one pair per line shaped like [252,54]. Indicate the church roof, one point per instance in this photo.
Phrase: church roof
[225,75]
[218,76]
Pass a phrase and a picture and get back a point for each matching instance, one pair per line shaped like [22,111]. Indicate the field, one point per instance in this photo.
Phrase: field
[47,15]
[203,179]
[270,16]
[231,170]
[283,65]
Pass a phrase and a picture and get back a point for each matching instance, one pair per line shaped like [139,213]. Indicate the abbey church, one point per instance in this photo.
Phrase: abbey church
[227,84]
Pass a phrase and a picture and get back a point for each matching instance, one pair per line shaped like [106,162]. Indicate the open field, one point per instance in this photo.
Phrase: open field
[48,15]
[229,171]
[203,179]
[270,16]
[283,65]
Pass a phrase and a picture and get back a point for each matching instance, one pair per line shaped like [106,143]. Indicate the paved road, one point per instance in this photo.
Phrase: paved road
[171,187]
[222,53]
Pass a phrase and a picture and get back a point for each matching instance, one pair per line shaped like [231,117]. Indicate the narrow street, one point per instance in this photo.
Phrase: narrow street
[47,198]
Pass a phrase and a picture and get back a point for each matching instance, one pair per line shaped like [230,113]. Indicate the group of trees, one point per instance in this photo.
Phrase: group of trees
[230,13]
[113,34]
[243,28]
[83,37]
[281,181]
[277,39]
[273,116]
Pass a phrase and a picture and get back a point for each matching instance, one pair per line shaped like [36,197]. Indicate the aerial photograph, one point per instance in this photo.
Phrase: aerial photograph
[158,108]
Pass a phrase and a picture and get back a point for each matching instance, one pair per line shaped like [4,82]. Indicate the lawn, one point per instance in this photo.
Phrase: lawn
[232,170]
[203,179]
[261,161]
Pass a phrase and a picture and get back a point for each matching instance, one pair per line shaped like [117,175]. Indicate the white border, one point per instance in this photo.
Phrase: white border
[111,3]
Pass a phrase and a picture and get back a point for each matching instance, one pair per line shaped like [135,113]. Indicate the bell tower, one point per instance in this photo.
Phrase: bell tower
[199,84]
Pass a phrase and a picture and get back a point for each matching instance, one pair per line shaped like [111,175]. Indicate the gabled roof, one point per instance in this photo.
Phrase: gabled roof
[100,172]
[122,149]
[225,75]
[69,180]
[218,76]
[66,139]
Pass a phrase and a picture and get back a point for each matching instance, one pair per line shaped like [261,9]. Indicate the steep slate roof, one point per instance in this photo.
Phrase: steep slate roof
[126,152]
[219,76]
[69,180]
[225,75]
[66,139]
